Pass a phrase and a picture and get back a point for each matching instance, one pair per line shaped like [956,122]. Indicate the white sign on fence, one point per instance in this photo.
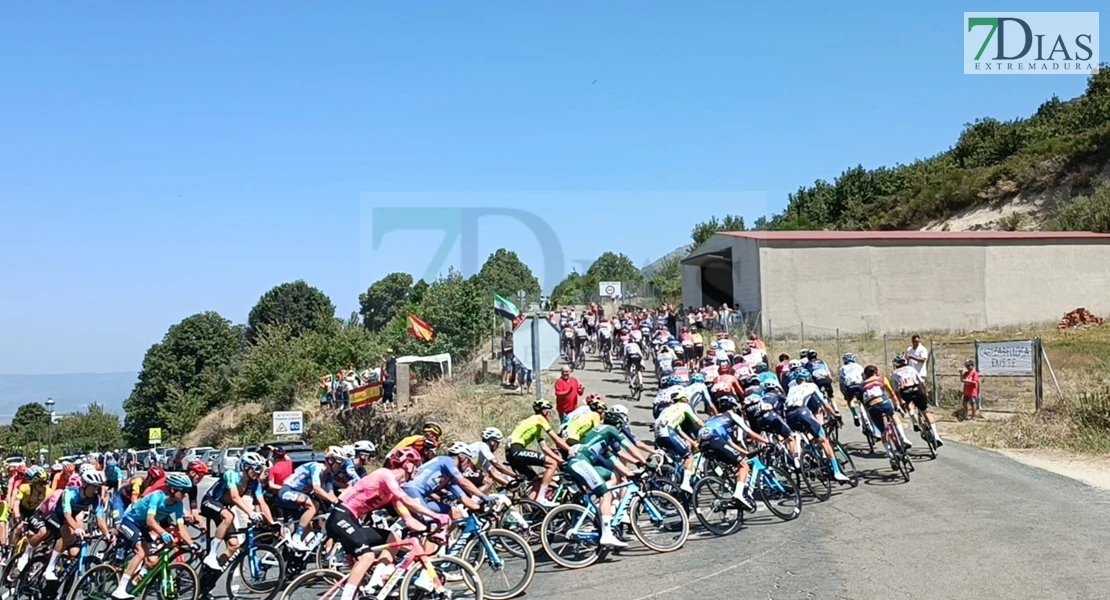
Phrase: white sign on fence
[288,422]
[1006,358]
[609,289]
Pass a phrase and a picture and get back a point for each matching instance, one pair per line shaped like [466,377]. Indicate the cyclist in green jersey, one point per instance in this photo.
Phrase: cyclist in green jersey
[594,468]
[522,460]
[671,435]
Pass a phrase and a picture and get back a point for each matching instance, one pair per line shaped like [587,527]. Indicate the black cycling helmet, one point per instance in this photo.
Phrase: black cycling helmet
[760,368]
[726,403]
[811,355]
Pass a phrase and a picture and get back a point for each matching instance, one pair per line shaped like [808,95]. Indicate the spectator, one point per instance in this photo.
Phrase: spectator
[757,343]
[389,385]
[970,378]
[327,390]
[918,356]
[567,390]
[507,358]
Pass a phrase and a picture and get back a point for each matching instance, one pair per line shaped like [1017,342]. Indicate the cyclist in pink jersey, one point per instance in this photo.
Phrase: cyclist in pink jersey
[379,489]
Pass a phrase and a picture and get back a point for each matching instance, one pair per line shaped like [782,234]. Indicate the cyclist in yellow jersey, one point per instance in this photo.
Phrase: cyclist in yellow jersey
[426,443]
[579,426]
[521,459]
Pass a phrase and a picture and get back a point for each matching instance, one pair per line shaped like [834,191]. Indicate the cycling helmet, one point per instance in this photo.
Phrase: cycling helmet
[794,364]
[431,428]
[197,466]
[403,457]
[364,447]
[85,468]
[492,434]
[697,378]
[724,370]
[38,475]
[760,368]
[156,473]
[430,446]
[812,355]
[771,386]
[349,451]
[177,481]
[67,467]
[56,468]
[804,353]
[93,478]
[595,403]
[252,460]
[459,448]
[726,403]
[749,381]
[335,452]
[615,417]
[804,375]
[849,358]
[620,409]
[900,361]
[541,405]
[111,462]
[681,397]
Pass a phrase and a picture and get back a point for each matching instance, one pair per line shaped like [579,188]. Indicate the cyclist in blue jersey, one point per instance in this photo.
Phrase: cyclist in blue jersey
[113,474]
[358,465]
[443,475]
[801,419]
[717,440]
[63,520]
[764,374]
[144,522]
[822,375]
[231,490]
[309,483]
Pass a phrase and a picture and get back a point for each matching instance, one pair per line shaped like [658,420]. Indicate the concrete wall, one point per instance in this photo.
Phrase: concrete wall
[746,283]
[896,286]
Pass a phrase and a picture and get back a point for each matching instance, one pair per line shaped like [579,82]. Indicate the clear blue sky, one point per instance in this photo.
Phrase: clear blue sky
[157,161]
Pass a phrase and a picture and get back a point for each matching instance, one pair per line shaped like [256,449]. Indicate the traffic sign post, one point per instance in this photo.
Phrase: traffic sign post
[609,289]
[288,422]
[154,436]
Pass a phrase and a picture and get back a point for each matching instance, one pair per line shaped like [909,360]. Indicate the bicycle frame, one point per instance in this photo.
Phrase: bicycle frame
[168,588]
[472,527]
[415,553]
[619,513]
[759,469]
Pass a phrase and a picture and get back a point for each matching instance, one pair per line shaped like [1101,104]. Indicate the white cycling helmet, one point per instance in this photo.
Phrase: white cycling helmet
[335,452]
[92,477]
[85,468]
[794,364]
[252,460]
[364,447]
[620,409]
[459,448]
[492,434]
[349,450]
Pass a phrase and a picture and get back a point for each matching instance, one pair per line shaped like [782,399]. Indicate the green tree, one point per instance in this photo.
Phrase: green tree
[613,267]
[193,358]
[571,290]
[418,290]
[300,306]
[90,430]
[504,274]
[705,230]
[30,418]
[383,299]
[458,310]
[667,280]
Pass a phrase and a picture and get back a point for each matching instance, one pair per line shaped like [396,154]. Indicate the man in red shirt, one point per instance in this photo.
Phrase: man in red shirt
[567,390]
[970,379]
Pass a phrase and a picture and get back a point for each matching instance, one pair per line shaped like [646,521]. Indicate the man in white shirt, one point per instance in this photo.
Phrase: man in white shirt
[918,356]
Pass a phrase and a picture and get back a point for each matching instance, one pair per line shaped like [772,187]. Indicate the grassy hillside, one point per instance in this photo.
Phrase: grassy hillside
[1063,149]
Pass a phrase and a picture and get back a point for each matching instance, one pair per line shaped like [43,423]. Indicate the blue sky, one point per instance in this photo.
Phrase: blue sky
[156,161]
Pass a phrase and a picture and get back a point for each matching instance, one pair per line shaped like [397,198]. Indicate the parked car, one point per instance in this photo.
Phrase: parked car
[188,456]
[226,460]
[14,461]
[165,458]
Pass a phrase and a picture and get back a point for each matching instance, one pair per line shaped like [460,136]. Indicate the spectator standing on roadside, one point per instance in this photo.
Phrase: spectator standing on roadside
[567,390]
[918,356]
[970,378]
[507,358]
[389,385]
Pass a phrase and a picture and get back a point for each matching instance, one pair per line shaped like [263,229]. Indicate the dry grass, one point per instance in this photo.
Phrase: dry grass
[222,426]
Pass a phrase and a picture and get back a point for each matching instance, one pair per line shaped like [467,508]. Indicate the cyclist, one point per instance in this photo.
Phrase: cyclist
[764,412]
[63,520]
[801,419]
[699,393]
[230,491]
[311,482]
[144,520]
[426,443]
[28,497]
[362,452]
[484,457]
[851,384]
[717,440]
[726,384]
[664,362]
[568,340]
[605,337]
[763,373]
[803,357]
[621,411]
[681,371]
[578,426]
[441,477]
[822,376]
[580,337]
[195,471]
[879,408]
[593,467]
[671,436]
[130,491]
[633,358]
[910,389]
[522,460]
[699,343]
[380,489]
[665,396]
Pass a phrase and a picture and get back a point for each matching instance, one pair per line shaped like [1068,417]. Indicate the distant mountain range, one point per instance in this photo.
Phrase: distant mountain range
[649,270]
[71,392]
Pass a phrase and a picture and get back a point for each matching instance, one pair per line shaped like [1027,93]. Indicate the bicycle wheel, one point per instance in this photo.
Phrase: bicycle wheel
[524,517]
[98,582]
[458,581]
[905,465]
[715,508]
[331,559]
[570,535]
[178,582]
[322,584]
[846,465]
[669,487]
[779,493]
[515,568]
[659,521]
[261,574]
[815,475]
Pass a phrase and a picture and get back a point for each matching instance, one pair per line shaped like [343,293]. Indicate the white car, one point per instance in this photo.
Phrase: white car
[226,460]
[14,461]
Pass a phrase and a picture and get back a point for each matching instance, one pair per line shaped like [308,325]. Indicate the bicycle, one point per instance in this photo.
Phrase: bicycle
[900,458]
[248,567]
[635,382]
[489,550]
[167,579]
[327,584]
[580,525]
[776,488]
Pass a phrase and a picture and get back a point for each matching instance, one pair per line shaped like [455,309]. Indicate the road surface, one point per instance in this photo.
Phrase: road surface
[972,524]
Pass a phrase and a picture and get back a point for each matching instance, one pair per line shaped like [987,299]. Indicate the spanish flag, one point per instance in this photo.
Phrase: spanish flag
[366,395]
[420,330]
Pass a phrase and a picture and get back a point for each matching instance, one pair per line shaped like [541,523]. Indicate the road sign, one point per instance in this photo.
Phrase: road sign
[1013,357]
[155,435]
[288,422]
[609,289]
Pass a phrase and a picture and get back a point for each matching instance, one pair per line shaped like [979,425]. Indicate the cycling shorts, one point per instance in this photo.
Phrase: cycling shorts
[522,460]
[130,534]
[212,510]
[719,449]
[814,404]
[53,523]
[636,359]
[673,444]
[879,412]
[591,477]
[854,392]
[801,420]
[771,422]
[291,499]
[356,540]
[916,396]
[435,506]
[35,522]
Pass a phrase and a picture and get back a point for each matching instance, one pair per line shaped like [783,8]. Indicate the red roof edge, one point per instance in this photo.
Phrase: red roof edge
[861,236]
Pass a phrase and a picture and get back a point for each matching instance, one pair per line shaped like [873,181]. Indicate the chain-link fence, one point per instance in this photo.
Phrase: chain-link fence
[870,348]
[997,393]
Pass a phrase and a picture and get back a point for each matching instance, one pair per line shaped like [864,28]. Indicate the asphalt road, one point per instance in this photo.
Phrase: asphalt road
[971,524]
